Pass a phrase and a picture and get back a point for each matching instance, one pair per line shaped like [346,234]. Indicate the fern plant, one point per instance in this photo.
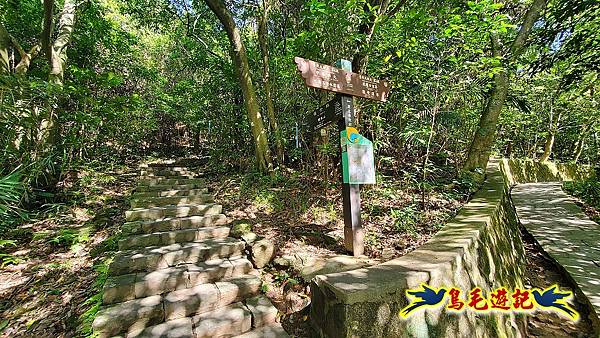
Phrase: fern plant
[12,190]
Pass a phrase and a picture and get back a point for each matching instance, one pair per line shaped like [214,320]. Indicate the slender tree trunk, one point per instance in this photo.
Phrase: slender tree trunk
[58,56]
[580,142]
[240,59]
[56,52]
[4,46]
[434,112]
[262,39]
[481,146]
[485,135]
[549,144]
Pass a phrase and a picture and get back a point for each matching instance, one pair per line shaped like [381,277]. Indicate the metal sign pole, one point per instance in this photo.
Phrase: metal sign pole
[353,231]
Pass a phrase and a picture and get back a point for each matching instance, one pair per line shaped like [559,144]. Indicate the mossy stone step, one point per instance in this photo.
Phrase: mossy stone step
[172,223]
[164,187]
[139,285]
[172,237]
[157,213]
[149,202]
[160,257]
[151,181]
[170,193]
[134,316]
[170,173]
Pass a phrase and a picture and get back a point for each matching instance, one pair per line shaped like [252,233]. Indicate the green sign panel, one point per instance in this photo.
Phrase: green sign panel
[358,163]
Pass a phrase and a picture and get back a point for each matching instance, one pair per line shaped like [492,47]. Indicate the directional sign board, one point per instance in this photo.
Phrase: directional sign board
[326,114]
[337,80]
[357,151]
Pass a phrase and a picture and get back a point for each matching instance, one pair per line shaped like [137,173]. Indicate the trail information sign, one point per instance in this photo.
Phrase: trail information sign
[326,114]
[357,151]
[338,80]
[358,163]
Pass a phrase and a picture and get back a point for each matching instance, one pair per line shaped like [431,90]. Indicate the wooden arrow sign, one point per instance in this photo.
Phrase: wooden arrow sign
[326,114]
[337,80]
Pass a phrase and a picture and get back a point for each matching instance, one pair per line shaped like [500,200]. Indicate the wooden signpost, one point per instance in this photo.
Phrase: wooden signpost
[325,115]
[341,80]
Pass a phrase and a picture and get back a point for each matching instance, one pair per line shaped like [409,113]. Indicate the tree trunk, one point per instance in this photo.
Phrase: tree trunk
[262,39]
[23,66]
[485,135]
[58,55]
[4,46]
[240,59]
[549,144]
[481,146]
[579,145]
[56,52]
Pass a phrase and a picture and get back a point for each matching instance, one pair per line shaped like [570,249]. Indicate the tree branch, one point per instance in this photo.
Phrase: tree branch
[47,28]
[17,46]
[532,15]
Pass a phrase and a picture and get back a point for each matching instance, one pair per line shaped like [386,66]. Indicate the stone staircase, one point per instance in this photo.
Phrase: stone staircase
[177,273]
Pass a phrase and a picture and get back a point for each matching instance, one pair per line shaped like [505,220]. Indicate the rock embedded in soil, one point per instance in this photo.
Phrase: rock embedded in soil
[262,252]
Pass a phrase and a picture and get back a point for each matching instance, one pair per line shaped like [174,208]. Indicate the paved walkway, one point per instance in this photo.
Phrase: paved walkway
[564,232]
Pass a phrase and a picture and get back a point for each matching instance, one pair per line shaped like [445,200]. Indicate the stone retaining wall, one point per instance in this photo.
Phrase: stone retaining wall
[530,171]
[481,247]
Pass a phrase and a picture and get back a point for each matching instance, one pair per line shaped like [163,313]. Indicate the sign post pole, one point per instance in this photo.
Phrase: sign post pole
[357,151]
[353,231]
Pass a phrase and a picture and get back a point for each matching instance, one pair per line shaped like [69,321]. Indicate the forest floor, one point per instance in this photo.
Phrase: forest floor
[542,272]
[52,273]
[55,266]
[302,214]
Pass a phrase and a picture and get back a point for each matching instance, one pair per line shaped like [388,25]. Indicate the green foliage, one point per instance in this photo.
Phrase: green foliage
[588,190]
[6,259]
[12,191]
[284,278]
[94,303]
[72,238]
[405,219]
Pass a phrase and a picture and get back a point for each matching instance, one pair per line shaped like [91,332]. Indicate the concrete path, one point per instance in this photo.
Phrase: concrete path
[564,232]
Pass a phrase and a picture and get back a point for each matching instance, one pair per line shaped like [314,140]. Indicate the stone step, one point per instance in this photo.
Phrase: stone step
[134,316]
[157,213]
[208,297]
[148,202]
[160,257]
[274,330]
[263,311]
[172,237]
[163,166]
[229,321]
[178,328]
[151,181]
[170,193]
[139,285]
[172,223]
[164,187]
[170,173]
